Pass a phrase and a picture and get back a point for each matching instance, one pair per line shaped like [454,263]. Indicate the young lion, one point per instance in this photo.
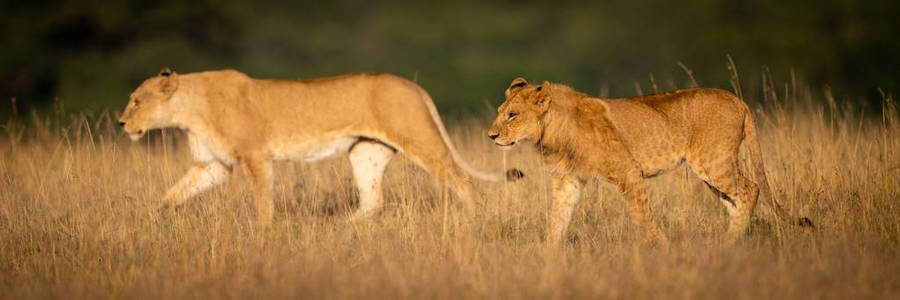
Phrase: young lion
[231,119]
[627,140]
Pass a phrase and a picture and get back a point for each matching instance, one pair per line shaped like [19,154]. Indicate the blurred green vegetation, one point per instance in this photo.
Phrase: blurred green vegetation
[92,54]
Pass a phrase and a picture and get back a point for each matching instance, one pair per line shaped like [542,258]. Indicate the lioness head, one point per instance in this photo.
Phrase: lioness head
[519,117]
[149,105]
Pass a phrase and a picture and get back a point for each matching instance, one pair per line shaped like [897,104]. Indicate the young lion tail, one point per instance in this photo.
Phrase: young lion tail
[752,140]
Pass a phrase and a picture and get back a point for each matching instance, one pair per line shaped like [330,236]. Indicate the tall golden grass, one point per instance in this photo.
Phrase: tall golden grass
[78,219]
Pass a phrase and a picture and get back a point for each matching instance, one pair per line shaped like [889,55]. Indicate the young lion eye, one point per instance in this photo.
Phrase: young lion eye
[511,115]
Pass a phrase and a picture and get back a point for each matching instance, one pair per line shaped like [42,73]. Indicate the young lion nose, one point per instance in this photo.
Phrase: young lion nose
[493,136]
[121,123]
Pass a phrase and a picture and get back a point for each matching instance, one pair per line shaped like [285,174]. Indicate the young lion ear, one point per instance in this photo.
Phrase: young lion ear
[516,84]
[542,97]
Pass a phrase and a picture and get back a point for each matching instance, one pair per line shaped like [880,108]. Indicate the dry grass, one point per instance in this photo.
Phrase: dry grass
[78,219]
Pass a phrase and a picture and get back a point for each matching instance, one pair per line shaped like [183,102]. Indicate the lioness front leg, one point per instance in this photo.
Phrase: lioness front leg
[197,179]
[566,193]
[259,170]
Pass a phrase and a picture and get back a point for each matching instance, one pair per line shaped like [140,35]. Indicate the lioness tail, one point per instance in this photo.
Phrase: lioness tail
[510,175]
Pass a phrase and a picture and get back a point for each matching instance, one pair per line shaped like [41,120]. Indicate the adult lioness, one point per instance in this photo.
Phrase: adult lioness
[231,119]
[627,140]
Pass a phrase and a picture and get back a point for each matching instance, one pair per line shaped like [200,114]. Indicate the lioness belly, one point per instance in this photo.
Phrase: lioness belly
[313,150]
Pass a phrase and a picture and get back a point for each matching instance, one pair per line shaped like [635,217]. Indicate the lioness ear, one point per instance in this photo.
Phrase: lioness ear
[166,72]
[516,84]
[542,97]
[170,81]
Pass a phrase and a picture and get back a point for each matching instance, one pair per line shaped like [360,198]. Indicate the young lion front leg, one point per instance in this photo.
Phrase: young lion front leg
[631,185]
[197,180]
[566,193]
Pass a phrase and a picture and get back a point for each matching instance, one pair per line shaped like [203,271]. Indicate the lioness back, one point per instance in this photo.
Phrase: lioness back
[278,112]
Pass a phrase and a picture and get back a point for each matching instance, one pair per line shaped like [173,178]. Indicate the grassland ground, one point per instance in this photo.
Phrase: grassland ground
[79,219]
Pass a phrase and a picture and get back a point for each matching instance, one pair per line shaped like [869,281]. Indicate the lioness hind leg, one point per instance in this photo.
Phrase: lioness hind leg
[442,166]
[197,180]
[369,159]
[735,191]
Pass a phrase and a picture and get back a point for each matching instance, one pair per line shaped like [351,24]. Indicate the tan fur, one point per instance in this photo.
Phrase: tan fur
[231,119]
[626,140]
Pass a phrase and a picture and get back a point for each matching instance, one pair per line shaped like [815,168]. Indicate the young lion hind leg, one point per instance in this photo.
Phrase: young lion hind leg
[195,181]
[368,160]
[734,190]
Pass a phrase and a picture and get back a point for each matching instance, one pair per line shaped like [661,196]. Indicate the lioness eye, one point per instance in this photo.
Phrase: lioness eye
[511,115]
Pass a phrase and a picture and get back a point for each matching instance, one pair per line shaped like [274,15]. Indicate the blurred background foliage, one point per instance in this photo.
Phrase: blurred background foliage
[92,54]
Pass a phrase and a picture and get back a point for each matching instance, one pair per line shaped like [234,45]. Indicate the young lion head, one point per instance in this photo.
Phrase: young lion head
[519,117]
[150,105]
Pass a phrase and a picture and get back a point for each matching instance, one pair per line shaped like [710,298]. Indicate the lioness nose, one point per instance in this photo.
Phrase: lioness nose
[121,123]
[493,136]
